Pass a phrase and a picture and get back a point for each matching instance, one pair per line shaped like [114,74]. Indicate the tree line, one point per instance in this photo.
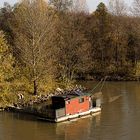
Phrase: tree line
[44,45]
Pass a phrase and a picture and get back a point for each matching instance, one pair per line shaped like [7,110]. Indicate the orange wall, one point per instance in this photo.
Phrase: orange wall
[74,106]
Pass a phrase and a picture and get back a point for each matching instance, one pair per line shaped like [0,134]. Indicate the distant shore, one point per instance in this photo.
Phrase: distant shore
[110,78]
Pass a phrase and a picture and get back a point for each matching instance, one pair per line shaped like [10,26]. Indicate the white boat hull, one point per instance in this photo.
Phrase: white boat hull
[71,117]
[78,115]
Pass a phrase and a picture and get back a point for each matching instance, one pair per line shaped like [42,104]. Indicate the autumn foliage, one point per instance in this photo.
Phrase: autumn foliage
[50,45]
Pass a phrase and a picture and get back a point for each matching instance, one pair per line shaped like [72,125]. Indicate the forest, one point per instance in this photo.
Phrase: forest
[46,45]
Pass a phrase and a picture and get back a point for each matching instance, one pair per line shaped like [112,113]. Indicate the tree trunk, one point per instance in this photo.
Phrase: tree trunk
[35,88]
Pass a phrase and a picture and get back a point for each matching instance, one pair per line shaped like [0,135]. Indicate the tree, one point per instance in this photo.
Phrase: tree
[102,28]
[79,6]
[61,5]
[6,62]
[73,47]
[32,31]
[136,8]
[5,16]
[117,7]
[70,5]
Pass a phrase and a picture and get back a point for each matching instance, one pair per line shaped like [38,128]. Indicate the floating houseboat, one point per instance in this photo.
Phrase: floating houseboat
[72,105]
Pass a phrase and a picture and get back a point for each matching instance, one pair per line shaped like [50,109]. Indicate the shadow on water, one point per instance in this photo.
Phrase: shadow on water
[20,116]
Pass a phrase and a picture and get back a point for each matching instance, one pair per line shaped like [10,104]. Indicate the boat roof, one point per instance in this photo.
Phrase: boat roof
[71,95]
[78,93]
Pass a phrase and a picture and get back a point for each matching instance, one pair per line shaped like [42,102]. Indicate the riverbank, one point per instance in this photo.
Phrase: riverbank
[59,108]
[33,104]
[36,104]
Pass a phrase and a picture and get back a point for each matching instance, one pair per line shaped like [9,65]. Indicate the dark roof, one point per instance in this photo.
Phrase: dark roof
[71,95]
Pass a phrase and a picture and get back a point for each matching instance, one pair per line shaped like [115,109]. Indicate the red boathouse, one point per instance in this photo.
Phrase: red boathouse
[77,105]
[73,103]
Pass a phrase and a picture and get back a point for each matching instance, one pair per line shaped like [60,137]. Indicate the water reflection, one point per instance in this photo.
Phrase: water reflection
[78,129]
[16,127]
[119,119]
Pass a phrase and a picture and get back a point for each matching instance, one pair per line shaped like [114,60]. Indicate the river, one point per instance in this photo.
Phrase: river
[119,119]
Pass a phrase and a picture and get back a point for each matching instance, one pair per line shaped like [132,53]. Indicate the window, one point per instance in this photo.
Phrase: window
[68,102]
[94,103]
[81,100]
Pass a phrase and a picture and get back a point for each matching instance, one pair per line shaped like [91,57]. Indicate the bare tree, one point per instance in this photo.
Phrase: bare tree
[70,5]
[136,8]
[117,7]
[73,47]
[32,28]
[79,6]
